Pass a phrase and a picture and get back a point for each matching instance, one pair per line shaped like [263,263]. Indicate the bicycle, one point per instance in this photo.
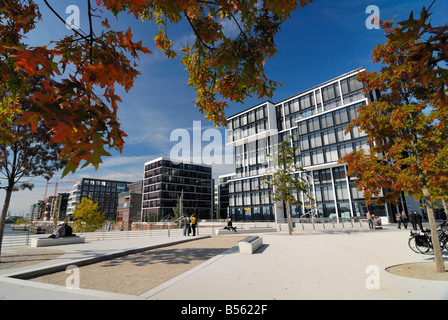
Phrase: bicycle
[421,242]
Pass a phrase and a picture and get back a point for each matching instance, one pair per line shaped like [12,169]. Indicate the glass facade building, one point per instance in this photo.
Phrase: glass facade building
[165,181]
[104,192]
[314,121]
[223,196]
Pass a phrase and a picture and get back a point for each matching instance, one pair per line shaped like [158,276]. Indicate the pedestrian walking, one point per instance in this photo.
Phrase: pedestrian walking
[186,221]
[419,220]
[404,219]
[370,220]
[413,217]
[193,224]
[398,218]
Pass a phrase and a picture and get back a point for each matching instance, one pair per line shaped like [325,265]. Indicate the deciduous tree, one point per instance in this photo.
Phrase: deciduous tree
[284,180]
[24,153]
[87,216]
[81,107]
[26,150]
[406,126]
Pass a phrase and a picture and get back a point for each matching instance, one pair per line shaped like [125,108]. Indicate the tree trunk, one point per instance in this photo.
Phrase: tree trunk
[440,266]
[3,217]
[288,216]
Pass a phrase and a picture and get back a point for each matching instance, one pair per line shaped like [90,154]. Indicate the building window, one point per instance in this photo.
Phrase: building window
[330,92]
[331,154]
[304,143]
[342,192]
[342,136]
[260,113]
[261,126]
[344,209]
[318,157]
[341,116]
[327,193]
[339,174]
[329,137]
[327,120]
[358,133]
[294,106]
[251,116]
[303,128]
[306,159]
[314,124]
[345,149]
[315,140]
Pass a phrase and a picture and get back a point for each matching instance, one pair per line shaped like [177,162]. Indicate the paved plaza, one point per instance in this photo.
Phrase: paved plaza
[332,263]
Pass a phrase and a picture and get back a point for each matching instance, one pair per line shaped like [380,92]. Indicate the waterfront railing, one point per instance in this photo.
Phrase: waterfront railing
[170,229]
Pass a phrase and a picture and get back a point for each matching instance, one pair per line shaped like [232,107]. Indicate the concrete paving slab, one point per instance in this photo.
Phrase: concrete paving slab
[335,264]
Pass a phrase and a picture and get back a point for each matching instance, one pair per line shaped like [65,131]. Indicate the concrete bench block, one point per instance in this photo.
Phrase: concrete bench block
[250,244]
[46,242]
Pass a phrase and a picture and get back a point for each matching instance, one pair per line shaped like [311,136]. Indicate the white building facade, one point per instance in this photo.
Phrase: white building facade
[314,121]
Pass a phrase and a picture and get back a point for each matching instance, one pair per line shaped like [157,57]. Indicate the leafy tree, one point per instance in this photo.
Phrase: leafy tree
[429,56]
[25,153]
[406,127]
[283,179]
[87,216]
[428,60]
[81,107]
[22,221]
[178,212]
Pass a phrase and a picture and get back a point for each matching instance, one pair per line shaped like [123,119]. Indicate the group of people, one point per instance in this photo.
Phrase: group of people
[189,224]
[416,220]
[373,221]
[402,219]
[62,231]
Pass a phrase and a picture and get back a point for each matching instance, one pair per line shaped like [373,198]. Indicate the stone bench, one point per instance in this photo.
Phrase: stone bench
[244,231]
[45,242]
[250,244]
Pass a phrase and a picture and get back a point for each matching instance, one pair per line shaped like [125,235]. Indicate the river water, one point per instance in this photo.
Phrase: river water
[9,232]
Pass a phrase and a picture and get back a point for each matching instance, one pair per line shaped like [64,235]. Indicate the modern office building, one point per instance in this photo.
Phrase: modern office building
[59,207]
[315,121]
[130,206]
[104,192]
[37,210]
[222,195]
[129,209]
[166,181]
[49,204]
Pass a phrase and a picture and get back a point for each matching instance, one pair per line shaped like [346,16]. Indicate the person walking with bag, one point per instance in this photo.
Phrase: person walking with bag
[398,218]
[186,221]
[193,224]
[404,219]
[413,217]
[419,220]
[370,220]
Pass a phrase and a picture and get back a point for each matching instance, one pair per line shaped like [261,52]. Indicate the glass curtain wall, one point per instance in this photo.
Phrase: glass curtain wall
[316,119]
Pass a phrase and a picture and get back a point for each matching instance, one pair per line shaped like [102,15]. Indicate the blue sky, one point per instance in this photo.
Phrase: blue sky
[320,42]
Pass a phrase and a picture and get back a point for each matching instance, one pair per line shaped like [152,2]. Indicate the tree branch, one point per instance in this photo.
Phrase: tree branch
[60,18]
[196,32]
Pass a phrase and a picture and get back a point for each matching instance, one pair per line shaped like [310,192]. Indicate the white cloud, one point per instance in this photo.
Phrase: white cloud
[230,26]
[180,42]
